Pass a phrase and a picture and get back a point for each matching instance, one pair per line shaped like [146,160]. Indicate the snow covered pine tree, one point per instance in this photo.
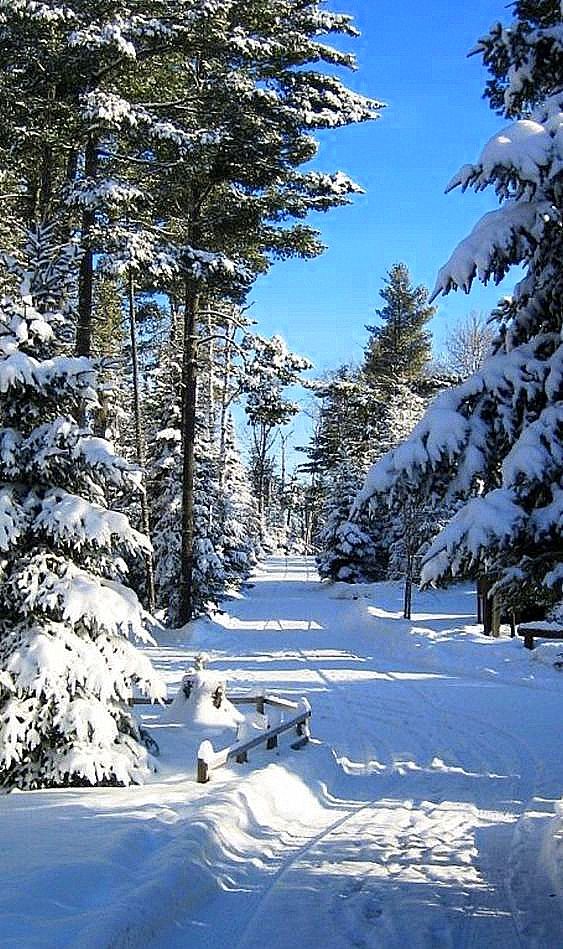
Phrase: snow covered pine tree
[66,662]
[347,549]
[496,440]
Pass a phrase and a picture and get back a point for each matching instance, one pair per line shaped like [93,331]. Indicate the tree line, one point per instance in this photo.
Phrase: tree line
[154,161]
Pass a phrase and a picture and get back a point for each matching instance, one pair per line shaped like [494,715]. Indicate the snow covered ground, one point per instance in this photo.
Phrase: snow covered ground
[423,814]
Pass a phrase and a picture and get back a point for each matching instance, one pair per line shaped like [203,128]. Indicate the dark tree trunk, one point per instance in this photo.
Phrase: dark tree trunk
[139,437]
[46,184]
[489,607]
[407,605]
[86,275]
[189,398]
[225,400]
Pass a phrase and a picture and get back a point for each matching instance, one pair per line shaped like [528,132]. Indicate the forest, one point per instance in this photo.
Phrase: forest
[280,621]
[155,161]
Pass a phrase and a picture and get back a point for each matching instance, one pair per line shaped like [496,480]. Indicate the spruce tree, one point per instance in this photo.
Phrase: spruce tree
[347,549]
[67,665]
[400,348]
[240,523]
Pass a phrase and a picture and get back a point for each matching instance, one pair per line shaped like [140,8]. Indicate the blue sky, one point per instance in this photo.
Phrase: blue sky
[413,56]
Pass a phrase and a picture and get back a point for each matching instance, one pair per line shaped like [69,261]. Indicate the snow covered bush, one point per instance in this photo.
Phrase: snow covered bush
[67,662]
[201,703]
[496,440]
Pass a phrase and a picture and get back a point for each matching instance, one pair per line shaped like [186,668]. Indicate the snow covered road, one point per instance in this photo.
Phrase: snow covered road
[438,753]
[423,814]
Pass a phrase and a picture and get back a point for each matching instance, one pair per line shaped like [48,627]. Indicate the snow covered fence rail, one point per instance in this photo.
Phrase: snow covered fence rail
[208,759]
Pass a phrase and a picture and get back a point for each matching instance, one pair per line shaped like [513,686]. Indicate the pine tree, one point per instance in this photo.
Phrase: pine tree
[240,523]
[67,665]
[496,440]
[400,348]
[347,416]
[165,496]
[348,551]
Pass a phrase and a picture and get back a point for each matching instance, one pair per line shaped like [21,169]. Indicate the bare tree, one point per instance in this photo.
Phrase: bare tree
[468,344]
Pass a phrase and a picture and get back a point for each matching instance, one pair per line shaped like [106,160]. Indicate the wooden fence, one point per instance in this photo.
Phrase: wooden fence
[208,759]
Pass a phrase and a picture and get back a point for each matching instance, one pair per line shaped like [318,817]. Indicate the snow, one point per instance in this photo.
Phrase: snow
[499,236]
[494,517]
[525,148]
[424,812]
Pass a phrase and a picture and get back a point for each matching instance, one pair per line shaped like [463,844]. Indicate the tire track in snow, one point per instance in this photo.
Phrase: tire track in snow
[487,750]
[507,752]
[526,897]
[288,866]
[494,896]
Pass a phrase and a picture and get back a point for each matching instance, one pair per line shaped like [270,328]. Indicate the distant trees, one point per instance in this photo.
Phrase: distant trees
[364,413]
[468,344]
[495,443]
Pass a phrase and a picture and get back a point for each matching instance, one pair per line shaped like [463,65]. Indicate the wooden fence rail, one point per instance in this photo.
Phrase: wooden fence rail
[208,759]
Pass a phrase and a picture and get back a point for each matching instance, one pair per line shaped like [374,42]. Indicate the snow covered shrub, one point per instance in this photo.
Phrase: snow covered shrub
[496,441]
[67,663]
[201,703]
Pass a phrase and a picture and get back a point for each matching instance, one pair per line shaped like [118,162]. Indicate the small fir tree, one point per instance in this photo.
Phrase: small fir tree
[348,552]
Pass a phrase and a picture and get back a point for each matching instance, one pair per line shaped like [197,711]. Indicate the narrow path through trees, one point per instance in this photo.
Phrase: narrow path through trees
[435,796]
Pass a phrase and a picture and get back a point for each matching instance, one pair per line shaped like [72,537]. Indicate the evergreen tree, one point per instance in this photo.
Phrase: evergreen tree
[240,523]
[347,415]
[496,440]
[363,420]
[348,552]
[67,665]
[400,348]
[165,497]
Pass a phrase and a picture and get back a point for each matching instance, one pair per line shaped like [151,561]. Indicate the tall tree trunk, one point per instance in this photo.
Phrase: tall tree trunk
[86,274]
[225,402]
[262,449]
[189,399]
[139,436]
[46,184]
[407,603]
[210,380]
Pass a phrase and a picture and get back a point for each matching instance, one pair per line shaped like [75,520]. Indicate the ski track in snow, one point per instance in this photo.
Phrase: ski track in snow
[418,816]
[406,867]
